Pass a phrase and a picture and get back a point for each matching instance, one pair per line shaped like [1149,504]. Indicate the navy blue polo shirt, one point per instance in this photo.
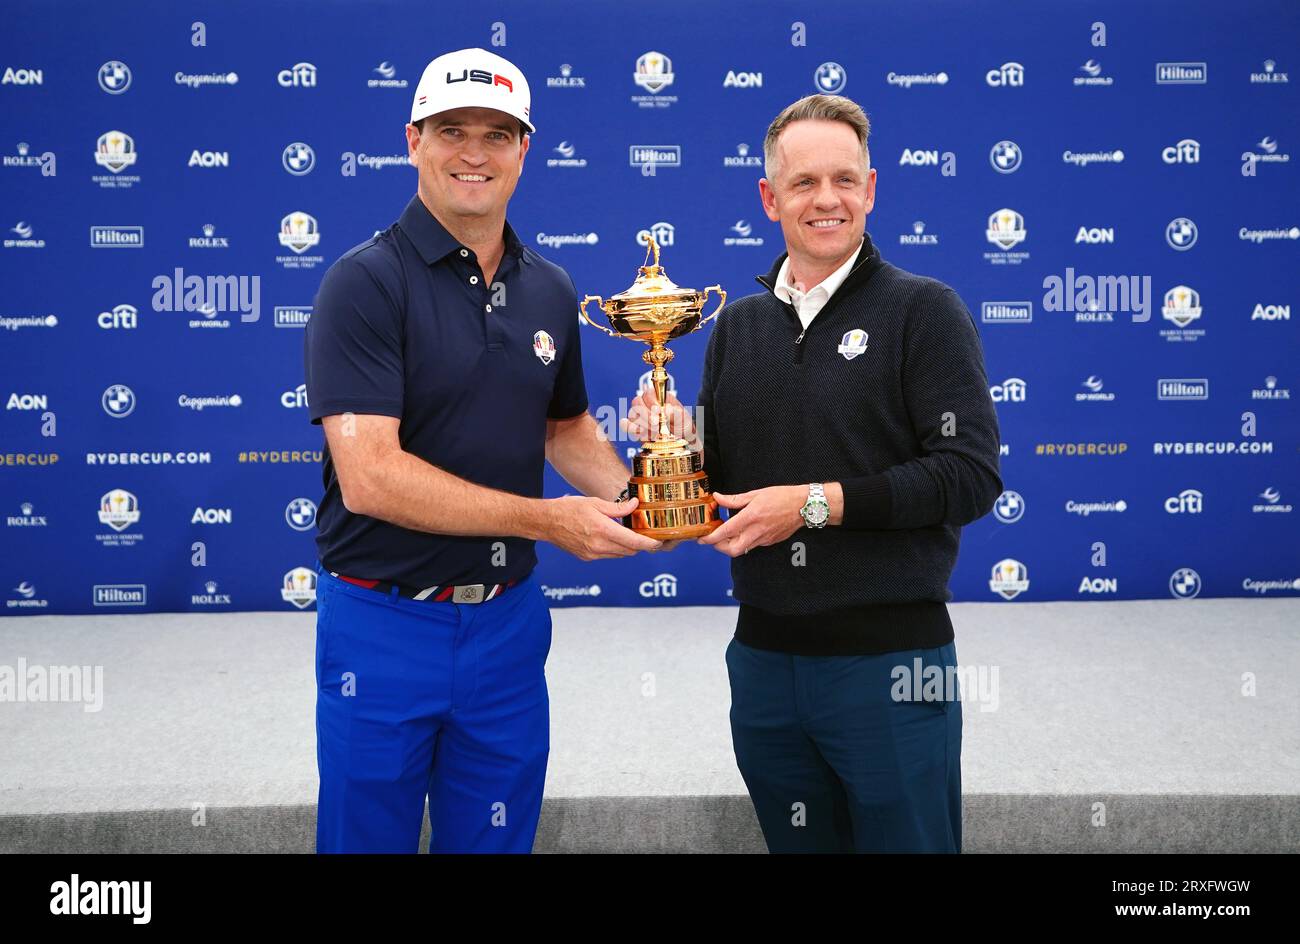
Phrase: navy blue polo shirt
[403,325]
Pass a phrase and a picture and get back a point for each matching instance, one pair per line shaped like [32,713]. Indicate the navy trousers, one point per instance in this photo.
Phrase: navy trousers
[835,761]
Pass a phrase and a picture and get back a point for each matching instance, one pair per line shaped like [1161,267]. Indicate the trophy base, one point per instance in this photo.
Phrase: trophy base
[674,501]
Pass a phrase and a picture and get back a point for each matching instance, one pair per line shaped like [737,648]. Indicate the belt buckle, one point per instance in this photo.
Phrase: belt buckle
[468,593]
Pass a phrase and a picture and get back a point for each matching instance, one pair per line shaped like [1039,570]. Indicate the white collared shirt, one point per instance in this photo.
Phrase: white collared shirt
[807,304]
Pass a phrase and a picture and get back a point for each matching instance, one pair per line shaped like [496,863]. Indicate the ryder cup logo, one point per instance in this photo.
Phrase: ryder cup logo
[1006,228]
[1182,305]
[654,71]
[299,232]
[114,77]
[830,78]
[298,159]
[1180,234]
[853,343]
[119,509]
[299,587]
[118,401]
[115,150]
[1010,579]
[544,347]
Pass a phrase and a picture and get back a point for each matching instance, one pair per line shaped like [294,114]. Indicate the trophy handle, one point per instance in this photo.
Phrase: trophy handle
[582,313]
[722,300]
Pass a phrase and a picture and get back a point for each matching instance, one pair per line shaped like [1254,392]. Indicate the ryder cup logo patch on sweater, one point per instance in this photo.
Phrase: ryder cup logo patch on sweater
[544,347]
[853,343]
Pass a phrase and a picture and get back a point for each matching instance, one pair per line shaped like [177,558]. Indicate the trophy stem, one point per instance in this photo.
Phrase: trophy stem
[657,357]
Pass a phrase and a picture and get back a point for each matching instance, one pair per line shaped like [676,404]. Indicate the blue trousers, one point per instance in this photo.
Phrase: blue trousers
[415,698]
[834,763]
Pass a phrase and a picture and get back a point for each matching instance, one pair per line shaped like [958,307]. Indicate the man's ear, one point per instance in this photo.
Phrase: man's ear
[523,149]
[768,196]
[412,143]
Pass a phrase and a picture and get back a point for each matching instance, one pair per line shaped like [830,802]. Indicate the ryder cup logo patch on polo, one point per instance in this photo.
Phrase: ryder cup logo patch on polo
[853,343]
[544,347]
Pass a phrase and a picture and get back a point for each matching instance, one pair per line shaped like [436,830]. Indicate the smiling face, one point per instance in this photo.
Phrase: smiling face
[820,192]
[469,161]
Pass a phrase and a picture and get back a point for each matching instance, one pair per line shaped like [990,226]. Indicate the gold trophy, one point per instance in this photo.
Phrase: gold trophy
[667,475]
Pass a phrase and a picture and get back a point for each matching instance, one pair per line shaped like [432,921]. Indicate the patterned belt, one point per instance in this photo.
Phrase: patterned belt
[458,593]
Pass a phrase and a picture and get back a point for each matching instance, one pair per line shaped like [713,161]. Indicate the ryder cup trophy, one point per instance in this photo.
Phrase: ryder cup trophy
[667,476]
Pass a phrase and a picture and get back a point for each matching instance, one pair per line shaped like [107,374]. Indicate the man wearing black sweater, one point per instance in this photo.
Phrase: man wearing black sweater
[848,427]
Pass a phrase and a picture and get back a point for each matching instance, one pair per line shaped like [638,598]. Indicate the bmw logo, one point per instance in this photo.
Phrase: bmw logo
[830,78]
[1009,507]
[1005,157]
[298,159]
[1185,583]
[1181,234]
[301,514]
[118,401]
[114,77]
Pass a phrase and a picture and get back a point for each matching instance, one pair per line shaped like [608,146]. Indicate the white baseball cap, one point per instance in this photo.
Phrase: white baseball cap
[472,78]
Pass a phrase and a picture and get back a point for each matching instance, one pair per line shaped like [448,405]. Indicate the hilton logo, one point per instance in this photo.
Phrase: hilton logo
[1183,389]
[119,594]
[1006,312]
[1181,73]
[117,237]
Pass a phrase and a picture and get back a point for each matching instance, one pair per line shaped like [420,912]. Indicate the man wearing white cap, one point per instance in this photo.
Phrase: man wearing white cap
[443,360]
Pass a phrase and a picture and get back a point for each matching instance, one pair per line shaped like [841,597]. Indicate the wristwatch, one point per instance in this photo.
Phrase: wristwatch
[816,510]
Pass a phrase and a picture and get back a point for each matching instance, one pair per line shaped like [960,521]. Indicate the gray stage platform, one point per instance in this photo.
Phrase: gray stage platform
[1134,705]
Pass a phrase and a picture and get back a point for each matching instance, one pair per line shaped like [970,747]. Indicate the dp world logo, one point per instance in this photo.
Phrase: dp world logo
[118,401]
[830,78]
[1005,157]
[300,514]
[298,159]
[1180,234]
[1185,583]
[114,77]
[1009,507]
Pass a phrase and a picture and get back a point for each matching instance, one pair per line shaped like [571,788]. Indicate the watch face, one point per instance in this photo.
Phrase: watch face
[816,513]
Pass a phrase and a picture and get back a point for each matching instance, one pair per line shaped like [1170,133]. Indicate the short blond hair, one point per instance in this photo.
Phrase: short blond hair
[818,108]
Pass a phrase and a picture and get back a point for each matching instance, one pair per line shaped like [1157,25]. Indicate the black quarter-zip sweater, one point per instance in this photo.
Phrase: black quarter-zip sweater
[902,419]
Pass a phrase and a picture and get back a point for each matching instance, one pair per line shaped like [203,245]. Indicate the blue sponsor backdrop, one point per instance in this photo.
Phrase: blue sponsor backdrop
[1012,145]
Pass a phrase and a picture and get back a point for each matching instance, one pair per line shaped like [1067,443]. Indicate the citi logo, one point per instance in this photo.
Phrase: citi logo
[664,585]
[1181,73]
[1187,502]
[1183,389]
[1186,151]
[1095,235]
[297,397]
[122,316]
[301,75]
[1011,390]
[1007,75]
